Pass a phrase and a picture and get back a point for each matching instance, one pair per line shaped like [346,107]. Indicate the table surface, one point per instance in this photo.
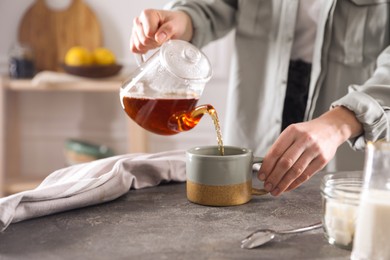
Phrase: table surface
[160,223]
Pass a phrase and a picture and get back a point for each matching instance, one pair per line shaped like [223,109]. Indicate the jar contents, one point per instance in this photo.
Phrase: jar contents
[21,62]
[373,223]
[341,194]
[340,221]
[373,228]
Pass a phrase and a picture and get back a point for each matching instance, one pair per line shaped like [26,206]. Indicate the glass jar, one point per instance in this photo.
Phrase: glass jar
[373,225]
[21,62]
[340,200]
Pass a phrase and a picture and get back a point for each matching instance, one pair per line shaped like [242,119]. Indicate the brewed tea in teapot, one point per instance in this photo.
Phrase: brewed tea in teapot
[162,94]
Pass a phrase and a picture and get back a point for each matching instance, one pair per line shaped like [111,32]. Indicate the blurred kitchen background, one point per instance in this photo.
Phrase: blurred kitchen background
[35,124]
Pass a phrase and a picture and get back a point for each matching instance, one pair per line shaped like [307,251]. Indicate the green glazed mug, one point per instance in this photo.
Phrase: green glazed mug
[220,180]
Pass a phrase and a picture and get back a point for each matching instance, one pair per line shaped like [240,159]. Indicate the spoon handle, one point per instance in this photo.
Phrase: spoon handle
[300,230]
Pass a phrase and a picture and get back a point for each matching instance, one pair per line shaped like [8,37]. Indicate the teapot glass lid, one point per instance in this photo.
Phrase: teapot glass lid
[185,61]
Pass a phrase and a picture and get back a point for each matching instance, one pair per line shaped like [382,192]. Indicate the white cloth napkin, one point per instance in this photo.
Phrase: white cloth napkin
[92,183]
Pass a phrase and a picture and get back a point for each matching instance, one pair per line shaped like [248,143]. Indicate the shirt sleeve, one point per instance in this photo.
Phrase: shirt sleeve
[371,103]
[211,19]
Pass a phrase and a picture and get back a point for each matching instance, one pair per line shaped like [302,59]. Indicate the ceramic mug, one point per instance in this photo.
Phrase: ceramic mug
[220,180]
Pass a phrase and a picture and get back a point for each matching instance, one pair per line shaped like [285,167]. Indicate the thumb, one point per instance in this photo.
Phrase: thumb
[164,33]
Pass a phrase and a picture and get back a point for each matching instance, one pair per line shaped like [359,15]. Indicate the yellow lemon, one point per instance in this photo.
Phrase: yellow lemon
[103,56]
[78,56]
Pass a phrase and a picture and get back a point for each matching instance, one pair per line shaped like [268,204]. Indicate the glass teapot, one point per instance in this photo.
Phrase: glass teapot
[162,93]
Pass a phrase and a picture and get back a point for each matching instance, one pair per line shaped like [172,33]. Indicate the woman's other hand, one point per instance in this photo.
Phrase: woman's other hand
[305,148]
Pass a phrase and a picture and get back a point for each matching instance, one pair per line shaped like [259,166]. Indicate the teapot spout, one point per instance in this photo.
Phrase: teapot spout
[199,111]
[187,121]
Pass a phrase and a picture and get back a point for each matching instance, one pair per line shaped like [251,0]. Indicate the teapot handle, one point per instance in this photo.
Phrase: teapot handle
[140,59]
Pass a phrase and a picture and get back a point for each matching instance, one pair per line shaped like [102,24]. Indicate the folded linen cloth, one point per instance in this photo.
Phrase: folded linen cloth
[92,183]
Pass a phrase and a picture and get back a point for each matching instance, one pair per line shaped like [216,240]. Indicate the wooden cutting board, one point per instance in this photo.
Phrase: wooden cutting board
[51,33]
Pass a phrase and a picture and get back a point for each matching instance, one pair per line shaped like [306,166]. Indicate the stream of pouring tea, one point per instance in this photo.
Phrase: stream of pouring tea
[214,116]
[189,120]
[193,118]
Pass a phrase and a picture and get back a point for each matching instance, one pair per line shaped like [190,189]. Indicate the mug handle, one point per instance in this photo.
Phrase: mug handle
[256,191]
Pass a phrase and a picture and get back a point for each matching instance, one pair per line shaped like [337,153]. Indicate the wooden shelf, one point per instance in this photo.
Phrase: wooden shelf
[83,85]
[12,183]
[15,185]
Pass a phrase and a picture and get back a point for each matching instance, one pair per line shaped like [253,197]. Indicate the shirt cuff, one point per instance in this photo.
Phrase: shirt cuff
[369,113]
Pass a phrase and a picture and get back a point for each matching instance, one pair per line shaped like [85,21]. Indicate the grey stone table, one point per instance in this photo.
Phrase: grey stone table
[159,223]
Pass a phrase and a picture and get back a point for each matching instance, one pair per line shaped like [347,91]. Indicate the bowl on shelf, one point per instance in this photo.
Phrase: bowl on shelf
[79,151]
[93,71]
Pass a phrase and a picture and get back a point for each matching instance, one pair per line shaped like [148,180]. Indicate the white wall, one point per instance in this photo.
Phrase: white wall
[47,119]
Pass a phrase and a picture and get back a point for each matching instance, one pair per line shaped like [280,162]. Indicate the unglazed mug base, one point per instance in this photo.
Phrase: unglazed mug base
[225,195]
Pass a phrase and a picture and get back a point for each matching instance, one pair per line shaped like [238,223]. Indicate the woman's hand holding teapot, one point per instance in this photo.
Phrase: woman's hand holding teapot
[154,27]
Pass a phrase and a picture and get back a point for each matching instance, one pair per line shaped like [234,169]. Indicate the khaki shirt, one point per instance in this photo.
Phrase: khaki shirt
[351,66]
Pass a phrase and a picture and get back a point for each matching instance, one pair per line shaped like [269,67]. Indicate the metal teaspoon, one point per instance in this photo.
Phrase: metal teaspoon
[262,236]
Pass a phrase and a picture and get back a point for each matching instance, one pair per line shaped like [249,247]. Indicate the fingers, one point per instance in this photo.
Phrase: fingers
[281,157]
[143,37]
[137,37]
[154,27]
[296,156]
[150,21]
[314,167]
[164,32]
[139,42]
[294,178]
[276,151]
[288,165]
[288,173]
